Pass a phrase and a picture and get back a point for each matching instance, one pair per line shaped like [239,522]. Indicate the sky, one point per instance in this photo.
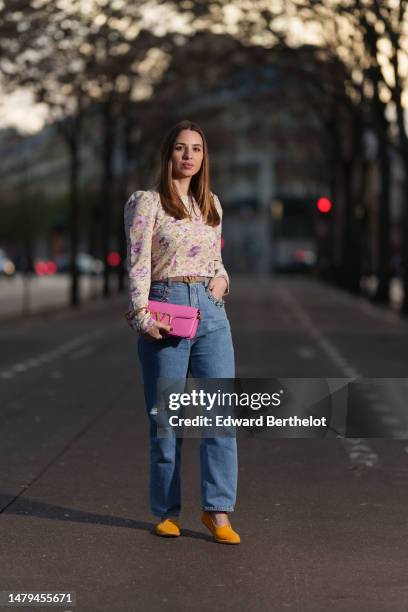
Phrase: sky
[20,111]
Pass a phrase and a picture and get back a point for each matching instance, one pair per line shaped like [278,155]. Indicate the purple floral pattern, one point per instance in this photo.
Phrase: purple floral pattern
[140,221]
[136,247]
[193,251]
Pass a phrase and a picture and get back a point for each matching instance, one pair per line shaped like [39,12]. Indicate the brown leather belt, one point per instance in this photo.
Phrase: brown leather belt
[188,279]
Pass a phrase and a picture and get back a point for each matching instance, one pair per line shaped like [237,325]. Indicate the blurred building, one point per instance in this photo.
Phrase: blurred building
[269,120]
[268,141]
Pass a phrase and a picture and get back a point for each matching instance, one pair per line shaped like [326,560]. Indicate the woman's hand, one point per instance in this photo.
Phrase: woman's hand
[153,332]
[218,286]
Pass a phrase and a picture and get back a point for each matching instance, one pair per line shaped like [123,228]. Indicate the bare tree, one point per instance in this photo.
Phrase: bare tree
[369,36]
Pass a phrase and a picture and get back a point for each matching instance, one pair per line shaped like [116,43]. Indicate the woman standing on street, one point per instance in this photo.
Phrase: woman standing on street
[174,255]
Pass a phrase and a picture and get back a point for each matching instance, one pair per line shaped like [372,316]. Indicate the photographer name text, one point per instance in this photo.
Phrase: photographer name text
[259,421]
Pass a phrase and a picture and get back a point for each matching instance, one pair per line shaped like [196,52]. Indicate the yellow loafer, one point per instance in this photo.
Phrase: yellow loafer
[169,528]
[224,534]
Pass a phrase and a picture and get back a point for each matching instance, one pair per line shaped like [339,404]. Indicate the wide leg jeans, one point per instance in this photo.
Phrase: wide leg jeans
[210,354]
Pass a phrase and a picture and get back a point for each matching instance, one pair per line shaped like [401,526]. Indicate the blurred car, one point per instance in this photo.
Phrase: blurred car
[7,267]
[294,257]
[44,267]
[86,264]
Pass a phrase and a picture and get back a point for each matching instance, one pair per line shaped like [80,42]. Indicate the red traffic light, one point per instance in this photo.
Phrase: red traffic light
[324,205]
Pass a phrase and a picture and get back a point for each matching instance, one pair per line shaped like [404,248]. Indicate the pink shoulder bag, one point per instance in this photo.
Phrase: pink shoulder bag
[183,319]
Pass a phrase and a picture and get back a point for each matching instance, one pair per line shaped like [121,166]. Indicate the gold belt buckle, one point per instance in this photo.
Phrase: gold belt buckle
[189,278]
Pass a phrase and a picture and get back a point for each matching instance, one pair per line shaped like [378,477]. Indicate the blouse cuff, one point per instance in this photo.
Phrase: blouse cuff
[145,322]
[139,321]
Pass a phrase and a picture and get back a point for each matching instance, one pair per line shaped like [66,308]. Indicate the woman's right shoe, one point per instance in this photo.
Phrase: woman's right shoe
[169,528]
[224,534]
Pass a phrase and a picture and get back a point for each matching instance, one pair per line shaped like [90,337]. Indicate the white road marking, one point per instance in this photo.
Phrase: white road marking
[6,375]
[20,367]
[380,408]
[306,352]
[42,358]
[82,352]
[360,452]
[390,420]
[319,337]
[364,456]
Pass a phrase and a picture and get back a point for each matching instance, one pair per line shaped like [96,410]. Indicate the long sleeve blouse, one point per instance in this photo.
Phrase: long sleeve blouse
[160,246]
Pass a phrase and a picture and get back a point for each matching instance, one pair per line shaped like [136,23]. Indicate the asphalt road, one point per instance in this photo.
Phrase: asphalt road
[322,522]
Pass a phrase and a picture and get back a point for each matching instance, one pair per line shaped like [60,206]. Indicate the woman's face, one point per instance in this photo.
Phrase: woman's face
[187,155]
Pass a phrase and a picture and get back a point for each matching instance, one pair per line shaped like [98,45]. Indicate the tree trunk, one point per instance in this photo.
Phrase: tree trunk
[74,220]
[107,188]
[357,178]
[360,219]
[126,144]
[70,130]
[382,294]
[404,232]
[348,256]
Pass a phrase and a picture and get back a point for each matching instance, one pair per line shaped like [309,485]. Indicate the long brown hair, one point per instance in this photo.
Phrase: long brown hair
[199,184]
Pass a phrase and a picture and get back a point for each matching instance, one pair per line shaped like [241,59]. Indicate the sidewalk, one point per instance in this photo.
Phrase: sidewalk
[32,295]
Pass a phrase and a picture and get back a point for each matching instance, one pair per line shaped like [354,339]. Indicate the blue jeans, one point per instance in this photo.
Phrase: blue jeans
[210,354]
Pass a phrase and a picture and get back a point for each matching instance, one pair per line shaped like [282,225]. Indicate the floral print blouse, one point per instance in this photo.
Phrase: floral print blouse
[160,246]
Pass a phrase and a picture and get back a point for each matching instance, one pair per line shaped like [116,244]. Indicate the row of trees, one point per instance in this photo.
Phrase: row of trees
[127,65]
[371,38]
[79,58]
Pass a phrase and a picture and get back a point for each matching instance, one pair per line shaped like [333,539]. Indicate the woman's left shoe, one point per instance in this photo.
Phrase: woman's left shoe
[224,534]
[169,528]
